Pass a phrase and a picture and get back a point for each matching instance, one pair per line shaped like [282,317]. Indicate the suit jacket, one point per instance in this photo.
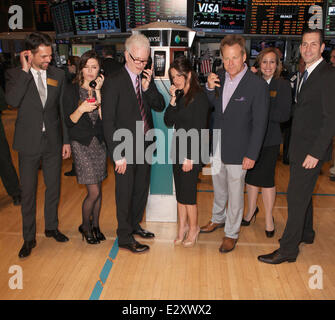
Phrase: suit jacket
[22,93]
[83,131]
[314,116]
[244,121]
[120,108]
[110,66]
[280,110]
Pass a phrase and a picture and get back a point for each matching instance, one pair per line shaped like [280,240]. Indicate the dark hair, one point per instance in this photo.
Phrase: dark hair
[36,39]
[278,62]
[91,54]
[184,66]
[309,30]
[74,61]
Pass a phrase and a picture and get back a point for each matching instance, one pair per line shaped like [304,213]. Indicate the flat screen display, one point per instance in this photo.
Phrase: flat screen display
[281,17]
[258,45]
[140,12]
[61,17]
[96,16]
[330,18]
[227,16]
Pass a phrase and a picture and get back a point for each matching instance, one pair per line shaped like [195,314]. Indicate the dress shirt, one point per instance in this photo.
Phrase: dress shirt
[230,86]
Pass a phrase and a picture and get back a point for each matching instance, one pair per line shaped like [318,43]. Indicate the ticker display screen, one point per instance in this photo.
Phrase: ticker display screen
[140,12]
[281,17]
[226,16]
[61,17]
[330,18]
[96,16]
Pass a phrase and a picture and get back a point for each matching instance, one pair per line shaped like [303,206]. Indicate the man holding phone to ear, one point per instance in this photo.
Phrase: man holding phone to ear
[35,89]
[241,102]
[127,99]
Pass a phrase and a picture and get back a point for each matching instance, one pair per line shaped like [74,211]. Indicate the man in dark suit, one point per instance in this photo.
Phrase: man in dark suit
[241,101]
[35,89]
[311,144]
[127,100]
[7,171]
[109,64]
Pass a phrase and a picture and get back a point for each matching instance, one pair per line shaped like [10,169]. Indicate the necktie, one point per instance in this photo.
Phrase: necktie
[140,103]
[41,88]
[304,78]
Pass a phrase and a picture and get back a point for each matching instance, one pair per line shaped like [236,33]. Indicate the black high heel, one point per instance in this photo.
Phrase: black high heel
[98,234]
[270,234]
[246,223]
[88,235]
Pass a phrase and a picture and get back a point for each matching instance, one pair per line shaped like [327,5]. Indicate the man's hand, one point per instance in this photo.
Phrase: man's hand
[247,163]
[147,78]
[213,81]
[187,165]
[66,152]
[121,166]
[26,62]
[310,162]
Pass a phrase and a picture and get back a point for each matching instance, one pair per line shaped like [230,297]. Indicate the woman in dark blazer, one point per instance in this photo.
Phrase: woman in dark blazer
[188,109]
[82,114]
[262,175]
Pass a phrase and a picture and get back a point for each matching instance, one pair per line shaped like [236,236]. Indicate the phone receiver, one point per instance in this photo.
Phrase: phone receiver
[93,83]
[147,66]
[179,94]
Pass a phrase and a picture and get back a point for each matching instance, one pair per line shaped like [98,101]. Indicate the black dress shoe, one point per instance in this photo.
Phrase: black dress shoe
[98,234]
[246,223]
[88,235]
[275,258]
[271,233]
[58,236]
[144,233]
[17,200]
[26,248]
[135,247]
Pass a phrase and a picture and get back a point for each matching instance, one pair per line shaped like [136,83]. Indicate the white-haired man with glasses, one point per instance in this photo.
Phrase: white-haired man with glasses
[127,98]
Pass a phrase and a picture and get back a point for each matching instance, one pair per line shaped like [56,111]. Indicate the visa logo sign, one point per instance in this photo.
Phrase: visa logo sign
[208,7]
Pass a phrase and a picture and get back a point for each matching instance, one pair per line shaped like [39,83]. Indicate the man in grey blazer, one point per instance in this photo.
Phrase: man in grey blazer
[241,102]
[35,89]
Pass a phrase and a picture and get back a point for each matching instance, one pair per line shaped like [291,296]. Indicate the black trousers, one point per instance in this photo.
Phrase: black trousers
[7,171]
[286,131]
[299,224]
[131,194]
[51,159]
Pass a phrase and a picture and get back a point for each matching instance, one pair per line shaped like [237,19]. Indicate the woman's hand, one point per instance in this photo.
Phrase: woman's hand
[100,81]
[173,95]
[187,165]
[87,107]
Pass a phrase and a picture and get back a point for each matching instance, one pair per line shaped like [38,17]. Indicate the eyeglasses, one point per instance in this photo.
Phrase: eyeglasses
[138,61]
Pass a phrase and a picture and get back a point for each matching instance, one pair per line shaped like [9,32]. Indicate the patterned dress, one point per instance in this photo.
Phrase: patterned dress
[90,161]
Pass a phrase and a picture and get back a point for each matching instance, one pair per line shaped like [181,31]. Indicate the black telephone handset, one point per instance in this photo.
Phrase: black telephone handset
[179,94]
[93,83]
[147,66]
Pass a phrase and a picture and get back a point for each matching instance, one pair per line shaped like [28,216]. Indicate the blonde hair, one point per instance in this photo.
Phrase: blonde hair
[137,40]
[233,39]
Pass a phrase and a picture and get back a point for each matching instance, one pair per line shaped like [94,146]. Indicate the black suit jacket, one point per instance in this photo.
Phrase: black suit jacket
[280,110]
[83,131]
[244,121]
[120,109]
[22,93]
[314,116]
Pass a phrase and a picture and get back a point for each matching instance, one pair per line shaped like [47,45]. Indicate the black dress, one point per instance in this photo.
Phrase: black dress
[263,173]
[193,116]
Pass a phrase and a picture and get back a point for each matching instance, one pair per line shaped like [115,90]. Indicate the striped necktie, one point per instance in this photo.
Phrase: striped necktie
[41,88]
[140,103]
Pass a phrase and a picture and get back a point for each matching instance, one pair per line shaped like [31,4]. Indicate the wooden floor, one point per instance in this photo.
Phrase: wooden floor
[76,270]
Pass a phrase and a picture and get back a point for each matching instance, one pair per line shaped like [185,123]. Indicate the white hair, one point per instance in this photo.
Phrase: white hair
[137,40]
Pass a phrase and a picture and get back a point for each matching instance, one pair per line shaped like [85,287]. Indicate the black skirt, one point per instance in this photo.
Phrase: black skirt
[263,173]
[186,183]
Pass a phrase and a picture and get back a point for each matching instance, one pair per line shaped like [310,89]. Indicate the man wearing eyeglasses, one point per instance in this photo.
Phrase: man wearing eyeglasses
[127,99]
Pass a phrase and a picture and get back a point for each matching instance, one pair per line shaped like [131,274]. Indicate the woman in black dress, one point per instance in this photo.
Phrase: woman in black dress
[262,175]
[188,109]
[83,117]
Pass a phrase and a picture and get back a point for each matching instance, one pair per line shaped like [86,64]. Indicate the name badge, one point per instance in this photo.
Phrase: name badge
[52,82]
[273,93]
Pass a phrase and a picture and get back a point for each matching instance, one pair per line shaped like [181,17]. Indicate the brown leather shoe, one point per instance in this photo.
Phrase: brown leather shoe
[210,227]
[228,244]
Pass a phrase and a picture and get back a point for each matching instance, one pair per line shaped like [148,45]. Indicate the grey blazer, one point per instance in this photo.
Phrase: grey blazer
[22,93]
[243,123]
